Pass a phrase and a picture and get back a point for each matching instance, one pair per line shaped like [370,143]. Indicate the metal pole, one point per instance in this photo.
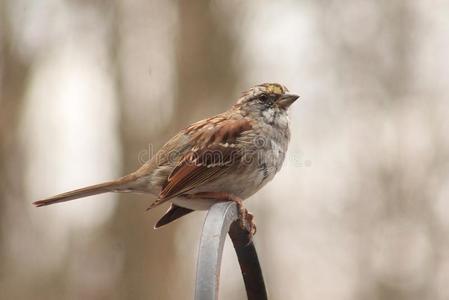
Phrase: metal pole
[221,219]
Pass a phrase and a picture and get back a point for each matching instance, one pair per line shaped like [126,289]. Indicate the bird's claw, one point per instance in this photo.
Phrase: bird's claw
[246,222]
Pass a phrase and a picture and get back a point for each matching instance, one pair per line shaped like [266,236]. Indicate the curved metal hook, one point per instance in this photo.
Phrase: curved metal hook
[221,219]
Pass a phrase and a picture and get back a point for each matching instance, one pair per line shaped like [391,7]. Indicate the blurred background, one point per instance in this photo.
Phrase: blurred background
[359,210]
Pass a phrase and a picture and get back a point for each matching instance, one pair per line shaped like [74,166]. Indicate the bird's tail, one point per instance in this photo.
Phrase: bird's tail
[110,186]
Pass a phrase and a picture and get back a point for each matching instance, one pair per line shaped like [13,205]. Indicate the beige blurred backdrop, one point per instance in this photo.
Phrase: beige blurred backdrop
[359,210]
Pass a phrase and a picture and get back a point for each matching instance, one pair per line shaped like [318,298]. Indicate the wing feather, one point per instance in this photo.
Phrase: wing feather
[215,156]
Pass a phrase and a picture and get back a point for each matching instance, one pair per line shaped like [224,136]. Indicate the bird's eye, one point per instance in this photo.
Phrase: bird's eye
[263,97]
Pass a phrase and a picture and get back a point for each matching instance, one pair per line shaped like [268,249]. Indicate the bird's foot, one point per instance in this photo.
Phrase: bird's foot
[246,219]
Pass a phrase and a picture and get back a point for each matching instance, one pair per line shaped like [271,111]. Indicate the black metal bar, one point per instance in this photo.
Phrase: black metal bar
[221,219]
[249,263]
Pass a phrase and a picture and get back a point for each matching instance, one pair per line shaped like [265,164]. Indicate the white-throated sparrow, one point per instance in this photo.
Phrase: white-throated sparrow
[227,157]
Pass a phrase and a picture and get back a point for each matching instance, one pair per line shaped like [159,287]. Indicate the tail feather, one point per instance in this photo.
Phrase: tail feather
[101,188]
[173,213]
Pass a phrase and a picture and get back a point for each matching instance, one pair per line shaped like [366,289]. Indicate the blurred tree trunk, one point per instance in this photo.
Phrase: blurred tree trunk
[13,79]
[204,73]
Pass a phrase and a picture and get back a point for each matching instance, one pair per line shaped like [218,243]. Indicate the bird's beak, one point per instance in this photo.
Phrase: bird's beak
[286,100]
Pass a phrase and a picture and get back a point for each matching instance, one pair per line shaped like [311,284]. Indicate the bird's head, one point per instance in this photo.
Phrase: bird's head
[268,95]
[268,100]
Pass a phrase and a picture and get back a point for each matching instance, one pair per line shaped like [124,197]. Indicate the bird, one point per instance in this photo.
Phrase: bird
[227,157]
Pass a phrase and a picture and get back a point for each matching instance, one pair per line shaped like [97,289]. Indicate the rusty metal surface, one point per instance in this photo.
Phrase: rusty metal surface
[221,219]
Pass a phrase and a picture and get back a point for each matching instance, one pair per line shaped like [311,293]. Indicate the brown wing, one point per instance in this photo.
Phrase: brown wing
[213,155]
[198,168]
